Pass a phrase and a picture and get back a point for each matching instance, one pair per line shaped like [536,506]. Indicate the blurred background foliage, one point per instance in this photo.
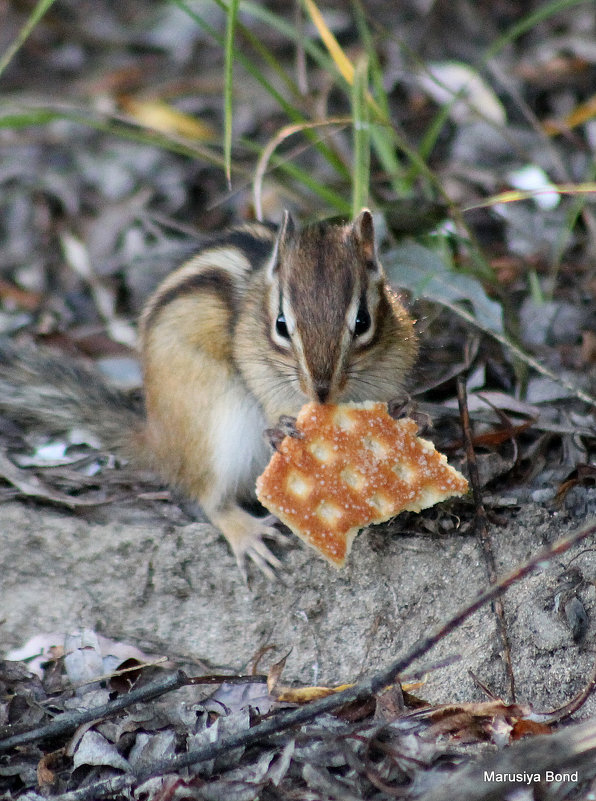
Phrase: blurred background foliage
[130,131]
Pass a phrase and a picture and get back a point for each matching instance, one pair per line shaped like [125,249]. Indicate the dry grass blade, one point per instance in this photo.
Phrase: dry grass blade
[270,148]
[342,62]
[515,195]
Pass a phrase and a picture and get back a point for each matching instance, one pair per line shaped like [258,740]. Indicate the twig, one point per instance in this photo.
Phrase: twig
[117,674]
[482,527]
[296,717]
[32,486]
[557,715]
[480,684]
[69,721]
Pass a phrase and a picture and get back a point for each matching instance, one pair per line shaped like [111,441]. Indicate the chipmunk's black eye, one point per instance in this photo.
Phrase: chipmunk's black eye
[281,326]
[362,323]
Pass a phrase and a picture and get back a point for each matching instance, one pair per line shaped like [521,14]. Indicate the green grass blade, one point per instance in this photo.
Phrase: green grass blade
[381,134]
[361,138]
[332,198]
[519,28]
[433,131]
[228,87]
[565,236]
[384,143]
[317,53]
[374,66]
[270,59]
[17,119]
[40,9]
[290,110]
[336,202]
[241,58]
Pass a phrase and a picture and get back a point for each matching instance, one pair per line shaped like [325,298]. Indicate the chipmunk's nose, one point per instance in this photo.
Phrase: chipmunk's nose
[321,391]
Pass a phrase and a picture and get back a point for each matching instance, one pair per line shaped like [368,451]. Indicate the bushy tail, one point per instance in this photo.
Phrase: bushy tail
[40,389]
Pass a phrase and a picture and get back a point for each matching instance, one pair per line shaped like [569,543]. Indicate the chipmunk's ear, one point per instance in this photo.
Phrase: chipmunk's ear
[287,226]
[364,231]
[285,231]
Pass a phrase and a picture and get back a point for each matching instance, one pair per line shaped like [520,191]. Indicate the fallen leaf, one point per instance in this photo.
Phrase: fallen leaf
[491,721]
[162,117]
[423,272]
[45,774]
[303,695]
[275,671]
[455,84]
[96,750]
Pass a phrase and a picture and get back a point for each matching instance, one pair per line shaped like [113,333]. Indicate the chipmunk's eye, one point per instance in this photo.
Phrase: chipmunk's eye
[281,326]
[362,323]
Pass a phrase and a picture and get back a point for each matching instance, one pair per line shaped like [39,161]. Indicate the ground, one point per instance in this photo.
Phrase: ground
[174,589]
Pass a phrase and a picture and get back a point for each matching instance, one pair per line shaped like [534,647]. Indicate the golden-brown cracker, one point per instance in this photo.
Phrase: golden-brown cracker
[353,466]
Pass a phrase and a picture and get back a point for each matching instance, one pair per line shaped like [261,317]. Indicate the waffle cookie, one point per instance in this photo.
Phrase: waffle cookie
[352,466]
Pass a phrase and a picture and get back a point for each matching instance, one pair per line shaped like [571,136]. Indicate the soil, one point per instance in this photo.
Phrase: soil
[132,574]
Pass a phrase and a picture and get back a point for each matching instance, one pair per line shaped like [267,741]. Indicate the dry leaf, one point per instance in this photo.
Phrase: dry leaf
[303,695]
[162,117]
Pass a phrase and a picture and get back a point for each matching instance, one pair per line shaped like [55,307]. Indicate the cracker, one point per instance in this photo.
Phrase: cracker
[354,466]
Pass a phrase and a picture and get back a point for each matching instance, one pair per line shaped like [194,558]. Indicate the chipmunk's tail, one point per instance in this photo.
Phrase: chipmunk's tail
[50,393]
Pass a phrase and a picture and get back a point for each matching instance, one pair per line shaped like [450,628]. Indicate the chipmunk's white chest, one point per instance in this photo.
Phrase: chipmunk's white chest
[239,447]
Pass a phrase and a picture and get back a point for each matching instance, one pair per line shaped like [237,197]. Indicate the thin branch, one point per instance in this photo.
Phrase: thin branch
[481,521]
[70,721]
[578,700]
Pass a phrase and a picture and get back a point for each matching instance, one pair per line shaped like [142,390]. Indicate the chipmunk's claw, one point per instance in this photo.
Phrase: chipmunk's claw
[262,557]
[245,534]
[258,552]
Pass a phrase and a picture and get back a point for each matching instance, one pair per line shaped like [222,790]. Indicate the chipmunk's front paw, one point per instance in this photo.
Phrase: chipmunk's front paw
[400,407]
[285,427]
[406,407]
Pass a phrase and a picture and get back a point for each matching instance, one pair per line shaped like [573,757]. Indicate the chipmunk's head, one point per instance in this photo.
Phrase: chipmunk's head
[335,329]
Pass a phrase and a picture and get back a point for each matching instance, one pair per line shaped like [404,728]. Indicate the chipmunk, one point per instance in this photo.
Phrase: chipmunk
[247,331]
